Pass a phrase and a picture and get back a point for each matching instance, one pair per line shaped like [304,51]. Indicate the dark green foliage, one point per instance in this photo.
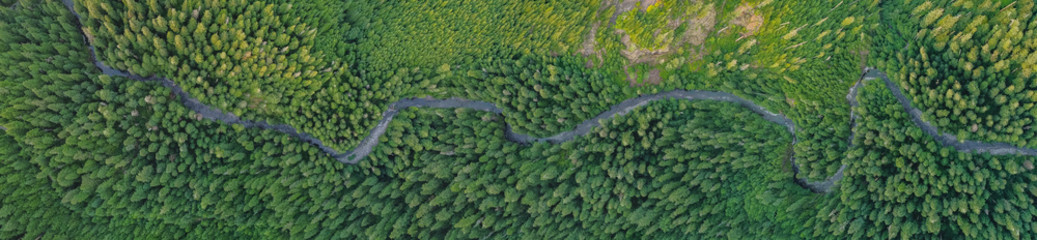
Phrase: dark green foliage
[253,59]
[540,95]
[671,169]
[391,35]
[124,158]
[801,63]
[286,63]
[128,160]
[86,155]
[60,146]
[969,65]
[900,183]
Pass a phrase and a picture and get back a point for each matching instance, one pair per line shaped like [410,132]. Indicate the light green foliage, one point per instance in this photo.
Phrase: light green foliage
[671,169]
[650,28]
[541,96]
[426,34]
[115,165]
[900,183]
[61,156]
[258,60]
[800,62]
[969,65]
[86,155]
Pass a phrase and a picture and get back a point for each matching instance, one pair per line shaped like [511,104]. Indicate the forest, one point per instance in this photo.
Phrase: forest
[971,66]
[93,146]
[903,184]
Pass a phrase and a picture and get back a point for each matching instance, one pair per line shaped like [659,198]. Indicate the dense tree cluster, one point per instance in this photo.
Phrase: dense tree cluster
[901,183]
[540,96]
[283,62]
[87,155]
[815,51]
[671,169]
[257,60]
[69,157]
[800,62]
[124,159]
[245,55]
[970,66]
[116,157]
[338,104]
[406,34]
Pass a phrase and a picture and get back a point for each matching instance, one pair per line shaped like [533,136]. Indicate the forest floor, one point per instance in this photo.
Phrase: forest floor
[623,6]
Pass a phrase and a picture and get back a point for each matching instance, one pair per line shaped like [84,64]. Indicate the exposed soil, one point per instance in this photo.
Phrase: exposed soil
[653,77]
[635,54]
[623,6]
[589,43]
[700,27]
[746,16]
[698,30]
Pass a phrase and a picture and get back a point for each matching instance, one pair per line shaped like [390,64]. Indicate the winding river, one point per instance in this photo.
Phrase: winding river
[371,140]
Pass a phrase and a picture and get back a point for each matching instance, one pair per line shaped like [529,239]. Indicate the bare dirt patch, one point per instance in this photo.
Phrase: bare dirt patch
[653,77]
[698,26]
[623,6]
[635,54]
[698,30]
[746,16]
[588,47]
[646,3]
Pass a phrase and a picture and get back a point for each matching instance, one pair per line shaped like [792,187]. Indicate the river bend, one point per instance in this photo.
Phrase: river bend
[371,140]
